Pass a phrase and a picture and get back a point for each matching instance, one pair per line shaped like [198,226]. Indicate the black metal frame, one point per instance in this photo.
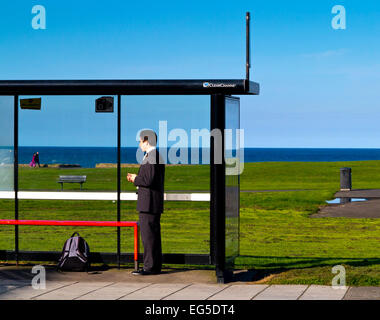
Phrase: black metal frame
[218,192]
[118,177]
[15,167]
[128,87]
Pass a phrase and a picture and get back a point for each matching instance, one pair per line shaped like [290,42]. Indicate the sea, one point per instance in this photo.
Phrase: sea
[88,157]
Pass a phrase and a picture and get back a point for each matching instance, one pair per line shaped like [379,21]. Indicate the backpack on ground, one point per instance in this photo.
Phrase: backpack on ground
[75,254]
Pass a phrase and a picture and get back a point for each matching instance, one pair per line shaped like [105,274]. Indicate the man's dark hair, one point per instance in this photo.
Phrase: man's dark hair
[149,135]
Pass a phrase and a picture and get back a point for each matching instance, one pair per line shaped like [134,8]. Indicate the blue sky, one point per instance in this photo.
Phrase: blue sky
[319,86]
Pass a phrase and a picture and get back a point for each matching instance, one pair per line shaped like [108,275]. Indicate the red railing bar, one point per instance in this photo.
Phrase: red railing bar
[133,224]
[69,223]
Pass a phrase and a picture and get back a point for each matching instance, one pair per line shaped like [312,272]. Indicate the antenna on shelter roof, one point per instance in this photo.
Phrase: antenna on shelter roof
[247,48]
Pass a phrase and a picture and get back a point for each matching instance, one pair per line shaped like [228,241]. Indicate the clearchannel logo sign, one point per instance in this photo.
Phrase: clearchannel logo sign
[218,85]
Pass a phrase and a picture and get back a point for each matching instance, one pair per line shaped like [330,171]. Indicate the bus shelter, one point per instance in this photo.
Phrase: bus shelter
[224,173]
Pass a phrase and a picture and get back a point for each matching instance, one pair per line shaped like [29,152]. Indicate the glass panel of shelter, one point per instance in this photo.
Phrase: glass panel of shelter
[7,202]
[77,153]
[182,125]
[232,176]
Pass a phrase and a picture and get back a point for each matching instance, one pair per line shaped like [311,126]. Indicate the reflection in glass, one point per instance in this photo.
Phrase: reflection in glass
[7,206]
[232,159]
[6,143]
[72,139]
[185,225]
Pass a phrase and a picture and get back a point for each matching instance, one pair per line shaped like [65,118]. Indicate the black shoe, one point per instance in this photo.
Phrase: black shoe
[142,272]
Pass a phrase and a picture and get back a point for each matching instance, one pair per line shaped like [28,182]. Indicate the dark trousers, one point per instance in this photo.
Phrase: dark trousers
[150,230]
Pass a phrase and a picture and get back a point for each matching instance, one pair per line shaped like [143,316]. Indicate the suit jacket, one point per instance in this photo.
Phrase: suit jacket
[150,180]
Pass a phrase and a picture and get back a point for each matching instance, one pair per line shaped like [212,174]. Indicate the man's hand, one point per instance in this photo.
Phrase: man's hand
[131,177]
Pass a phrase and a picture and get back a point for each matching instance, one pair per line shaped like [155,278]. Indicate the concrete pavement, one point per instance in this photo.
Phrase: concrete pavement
[114,284]
[365,209]
[19,290]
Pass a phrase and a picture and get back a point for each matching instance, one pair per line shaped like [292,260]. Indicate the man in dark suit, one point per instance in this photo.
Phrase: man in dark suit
[150,202]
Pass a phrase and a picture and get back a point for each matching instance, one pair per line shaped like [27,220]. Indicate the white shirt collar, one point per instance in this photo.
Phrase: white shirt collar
[149,150]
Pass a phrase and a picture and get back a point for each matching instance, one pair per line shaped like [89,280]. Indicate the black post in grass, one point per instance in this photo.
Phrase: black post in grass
[345,179]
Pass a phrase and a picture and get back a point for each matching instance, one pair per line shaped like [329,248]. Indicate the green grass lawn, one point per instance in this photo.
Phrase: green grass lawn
[277,236]
[105,179]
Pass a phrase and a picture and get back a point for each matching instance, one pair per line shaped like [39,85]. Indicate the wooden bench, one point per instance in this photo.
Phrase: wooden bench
[72,179]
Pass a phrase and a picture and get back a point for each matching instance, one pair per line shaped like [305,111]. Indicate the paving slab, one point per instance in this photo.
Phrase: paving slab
[125,275]
[282,292]
[8,285]
[114,291]
[12,274]
[155,291]
[196,292]
[239,292]
[7,288]
[359,209]
[17,283]
[28,292]
[106,274]
[315,292]
[72,291]
[172,284]
[365,209]
[363,293]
